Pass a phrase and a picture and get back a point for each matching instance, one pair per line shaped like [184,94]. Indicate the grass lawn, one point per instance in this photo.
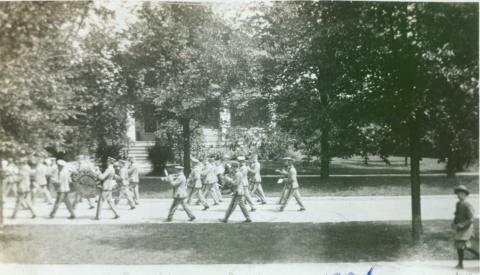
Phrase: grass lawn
[355,166]
[342,186]
[220,243]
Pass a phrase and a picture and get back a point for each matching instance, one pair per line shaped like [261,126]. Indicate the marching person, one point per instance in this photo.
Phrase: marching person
[179,183]
[23,189]
[124,185]
[134,179]
[283,194]
[62,180]
[219,172]
[237,199]
[211,179]
[108,183]
[463,224]
[257,189]
[246,194]
[11,178]
[40,180]
[195,184]
[292,184]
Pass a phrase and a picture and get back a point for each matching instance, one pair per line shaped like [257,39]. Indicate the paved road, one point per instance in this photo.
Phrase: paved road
[319,210]
[379,268]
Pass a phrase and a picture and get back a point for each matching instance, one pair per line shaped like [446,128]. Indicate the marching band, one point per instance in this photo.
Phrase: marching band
[213,178]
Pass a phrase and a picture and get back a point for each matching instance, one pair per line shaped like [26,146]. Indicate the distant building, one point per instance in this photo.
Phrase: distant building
[216,124]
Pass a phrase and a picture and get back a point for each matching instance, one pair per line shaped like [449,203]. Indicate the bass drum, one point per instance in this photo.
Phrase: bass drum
[86,183]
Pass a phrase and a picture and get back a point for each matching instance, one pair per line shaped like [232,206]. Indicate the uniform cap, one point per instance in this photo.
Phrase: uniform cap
[61,162]
[111,159]
[461,188]
[287,158]
[178,167]
[240,158]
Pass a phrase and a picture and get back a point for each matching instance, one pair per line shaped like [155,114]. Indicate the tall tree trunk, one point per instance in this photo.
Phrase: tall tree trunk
[186,145]
[325,157]
[415,149]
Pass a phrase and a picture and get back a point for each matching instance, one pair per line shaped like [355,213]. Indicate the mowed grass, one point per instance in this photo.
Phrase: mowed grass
[356,166]
[224,243]
[342,186]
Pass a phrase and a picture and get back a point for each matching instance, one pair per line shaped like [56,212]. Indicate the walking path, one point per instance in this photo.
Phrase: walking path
[319,210]
[379,268]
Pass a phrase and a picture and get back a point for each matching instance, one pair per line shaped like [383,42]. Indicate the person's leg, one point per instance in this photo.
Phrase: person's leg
[244,210]
[136,193]
[129,195]
[460,253]
[58,199]
[231,207]
[18,201]
[108,199]
[283,195]
[186,209]
[287,198]
[201,199]
[259,191]
[29,205]
[298,198]
[68,204]
[173,208]
[248,199]
[46,193]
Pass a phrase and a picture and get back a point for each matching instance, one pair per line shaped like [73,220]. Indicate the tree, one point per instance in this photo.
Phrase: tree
[189,59]
[309,49]
[399,46]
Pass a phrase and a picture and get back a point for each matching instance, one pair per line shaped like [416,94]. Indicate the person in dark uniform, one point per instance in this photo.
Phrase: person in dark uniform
[463,224]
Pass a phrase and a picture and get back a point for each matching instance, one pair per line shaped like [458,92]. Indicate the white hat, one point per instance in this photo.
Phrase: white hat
[178,167]
[194,160]
[240,158]
[61,162]
[287,158]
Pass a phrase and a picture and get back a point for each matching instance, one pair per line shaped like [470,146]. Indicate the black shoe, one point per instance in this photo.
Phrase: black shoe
[71,217]
[51,216]
[248,221]
[91,207]
[216,203]
[137,203]
[302,209]
[13,217]
[168,220]
[192,219]
[253,210]
[132,207]
[34,216]
[264,202]
[116,217]
[281,209]
[205,208]
[223,220]
[459,266]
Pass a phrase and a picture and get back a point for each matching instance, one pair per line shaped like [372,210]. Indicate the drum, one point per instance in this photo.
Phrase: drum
[86,182]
